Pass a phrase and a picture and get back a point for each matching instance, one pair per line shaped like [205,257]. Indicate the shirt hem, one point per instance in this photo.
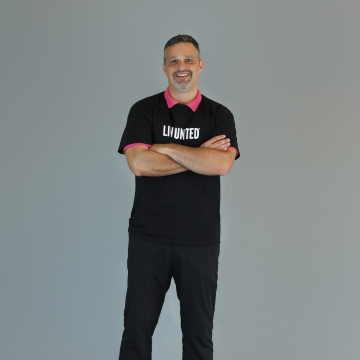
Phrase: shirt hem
[172,241]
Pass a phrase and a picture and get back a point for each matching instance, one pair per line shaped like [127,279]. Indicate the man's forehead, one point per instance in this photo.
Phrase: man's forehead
[182,47]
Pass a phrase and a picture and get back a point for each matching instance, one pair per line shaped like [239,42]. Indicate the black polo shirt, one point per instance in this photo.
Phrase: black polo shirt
[182,208]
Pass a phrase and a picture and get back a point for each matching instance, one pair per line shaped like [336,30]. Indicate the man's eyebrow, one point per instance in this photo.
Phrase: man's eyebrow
[186,56]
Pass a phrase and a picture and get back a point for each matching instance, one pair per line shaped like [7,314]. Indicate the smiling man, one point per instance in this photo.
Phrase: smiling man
[178,143]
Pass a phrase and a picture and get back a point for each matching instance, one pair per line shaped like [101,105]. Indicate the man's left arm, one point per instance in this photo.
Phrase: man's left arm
[201,160]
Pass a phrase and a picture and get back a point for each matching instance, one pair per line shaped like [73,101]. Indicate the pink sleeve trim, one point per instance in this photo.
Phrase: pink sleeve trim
[233,148]
[127,146]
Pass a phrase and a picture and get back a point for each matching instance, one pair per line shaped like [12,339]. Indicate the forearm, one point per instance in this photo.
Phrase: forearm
[151,163]
[201,160]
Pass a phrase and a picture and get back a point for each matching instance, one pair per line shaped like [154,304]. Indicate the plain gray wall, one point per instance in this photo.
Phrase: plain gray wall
[289,267]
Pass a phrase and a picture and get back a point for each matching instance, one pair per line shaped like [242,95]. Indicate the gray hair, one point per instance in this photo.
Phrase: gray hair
[179,39]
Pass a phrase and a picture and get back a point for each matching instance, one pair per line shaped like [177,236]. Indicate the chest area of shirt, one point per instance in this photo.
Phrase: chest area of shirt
[190,129]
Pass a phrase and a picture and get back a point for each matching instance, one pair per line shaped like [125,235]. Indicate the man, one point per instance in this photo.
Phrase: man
[177,143]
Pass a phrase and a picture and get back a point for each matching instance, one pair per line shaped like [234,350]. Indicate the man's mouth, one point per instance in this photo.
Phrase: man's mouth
[182,75]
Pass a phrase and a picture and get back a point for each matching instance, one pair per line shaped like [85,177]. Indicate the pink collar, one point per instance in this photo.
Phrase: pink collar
[192,105]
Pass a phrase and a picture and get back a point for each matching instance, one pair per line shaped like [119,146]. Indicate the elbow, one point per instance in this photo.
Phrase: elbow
[137,171]
[135,168]
[224,172]
[225,169]
[137,162]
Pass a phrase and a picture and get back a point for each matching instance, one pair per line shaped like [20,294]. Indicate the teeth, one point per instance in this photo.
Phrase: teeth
[182,75]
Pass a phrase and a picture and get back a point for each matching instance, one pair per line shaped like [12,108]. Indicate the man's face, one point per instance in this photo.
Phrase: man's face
[182,66]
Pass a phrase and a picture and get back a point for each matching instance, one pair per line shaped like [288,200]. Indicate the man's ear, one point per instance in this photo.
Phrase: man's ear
[164,68]
[201,65]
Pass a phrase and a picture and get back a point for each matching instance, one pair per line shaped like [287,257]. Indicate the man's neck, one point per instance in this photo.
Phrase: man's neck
[184,98]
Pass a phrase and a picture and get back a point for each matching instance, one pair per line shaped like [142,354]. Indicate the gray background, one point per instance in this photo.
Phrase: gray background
[289,264]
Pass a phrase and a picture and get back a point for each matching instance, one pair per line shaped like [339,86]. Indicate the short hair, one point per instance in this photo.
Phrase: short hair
[179,39]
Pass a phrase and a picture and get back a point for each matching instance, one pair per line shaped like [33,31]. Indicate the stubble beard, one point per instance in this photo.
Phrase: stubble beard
[180,85]
[183,87]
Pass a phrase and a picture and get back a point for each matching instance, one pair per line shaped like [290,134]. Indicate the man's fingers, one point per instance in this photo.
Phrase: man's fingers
[221,144]
[216,138]
[215,141]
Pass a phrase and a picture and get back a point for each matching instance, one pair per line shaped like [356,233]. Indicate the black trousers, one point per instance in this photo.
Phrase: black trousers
[151,266]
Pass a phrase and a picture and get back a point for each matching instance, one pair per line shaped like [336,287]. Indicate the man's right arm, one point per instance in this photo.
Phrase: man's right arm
[143,162]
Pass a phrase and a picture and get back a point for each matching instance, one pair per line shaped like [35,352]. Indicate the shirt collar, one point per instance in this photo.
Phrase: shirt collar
[192,105]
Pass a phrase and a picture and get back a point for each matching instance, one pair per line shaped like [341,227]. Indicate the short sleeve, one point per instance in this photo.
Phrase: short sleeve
[138,130]
[225,125]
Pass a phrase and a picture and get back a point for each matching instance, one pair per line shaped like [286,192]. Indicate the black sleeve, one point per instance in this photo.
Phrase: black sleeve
[138,130]
[225,125]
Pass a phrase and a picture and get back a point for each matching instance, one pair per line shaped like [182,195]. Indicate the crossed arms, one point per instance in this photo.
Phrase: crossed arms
[211,158]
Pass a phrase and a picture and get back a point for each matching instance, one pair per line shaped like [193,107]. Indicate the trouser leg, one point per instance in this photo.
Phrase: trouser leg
[149,277]
[195,275]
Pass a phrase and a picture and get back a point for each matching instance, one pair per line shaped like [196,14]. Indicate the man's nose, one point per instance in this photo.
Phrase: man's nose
[182,64]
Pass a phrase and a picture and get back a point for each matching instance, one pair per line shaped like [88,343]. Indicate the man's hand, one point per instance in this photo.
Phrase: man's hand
[159,148]
[217,142]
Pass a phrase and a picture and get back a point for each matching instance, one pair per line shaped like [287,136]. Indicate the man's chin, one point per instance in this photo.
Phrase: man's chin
[183,88]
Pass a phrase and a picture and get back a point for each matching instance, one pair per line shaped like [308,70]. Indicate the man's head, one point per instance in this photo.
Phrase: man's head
[182,62]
